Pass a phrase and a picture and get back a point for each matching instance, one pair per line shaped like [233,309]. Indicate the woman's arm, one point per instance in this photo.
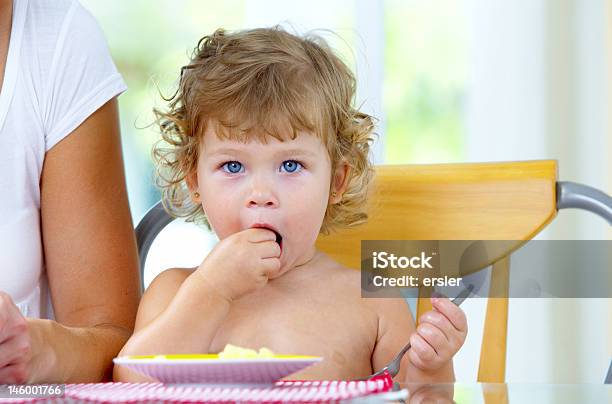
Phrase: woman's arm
[90,255]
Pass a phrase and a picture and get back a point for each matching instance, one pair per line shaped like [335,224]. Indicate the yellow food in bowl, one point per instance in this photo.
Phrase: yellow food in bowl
[235,352]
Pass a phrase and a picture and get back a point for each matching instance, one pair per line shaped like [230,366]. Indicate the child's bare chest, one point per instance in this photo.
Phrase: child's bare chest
[295,322]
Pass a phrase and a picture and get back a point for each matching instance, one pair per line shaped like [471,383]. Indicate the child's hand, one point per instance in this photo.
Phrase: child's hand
[439,335]
[242,263]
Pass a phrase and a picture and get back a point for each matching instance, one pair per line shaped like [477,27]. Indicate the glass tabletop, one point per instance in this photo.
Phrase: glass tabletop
[508,393]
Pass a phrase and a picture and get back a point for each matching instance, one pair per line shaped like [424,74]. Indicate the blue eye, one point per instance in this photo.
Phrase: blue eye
[291,166]
[232,167]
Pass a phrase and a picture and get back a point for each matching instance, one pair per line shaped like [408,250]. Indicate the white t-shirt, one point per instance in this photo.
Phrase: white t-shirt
[58,72]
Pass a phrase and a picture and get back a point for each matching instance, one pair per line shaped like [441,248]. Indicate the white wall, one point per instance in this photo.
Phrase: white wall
[539,88]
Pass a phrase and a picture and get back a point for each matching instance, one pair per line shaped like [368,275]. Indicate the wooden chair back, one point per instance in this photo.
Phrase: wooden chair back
[467,201]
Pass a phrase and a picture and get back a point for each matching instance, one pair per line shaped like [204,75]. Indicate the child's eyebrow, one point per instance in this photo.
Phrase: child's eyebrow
[290,152]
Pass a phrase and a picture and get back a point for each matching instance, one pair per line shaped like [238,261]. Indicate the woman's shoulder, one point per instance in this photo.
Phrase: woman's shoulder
[58,31]
[48,17]
[55,11]
[66,65]
[64,29]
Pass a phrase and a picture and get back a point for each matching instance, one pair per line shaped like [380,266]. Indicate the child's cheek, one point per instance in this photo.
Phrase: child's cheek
[218,201]
[309,210]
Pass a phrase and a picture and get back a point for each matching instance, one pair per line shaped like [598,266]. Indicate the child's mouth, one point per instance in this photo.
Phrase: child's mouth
[279,238]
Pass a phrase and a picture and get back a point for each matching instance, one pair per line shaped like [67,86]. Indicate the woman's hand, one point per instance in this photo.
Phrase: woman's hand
[15,343]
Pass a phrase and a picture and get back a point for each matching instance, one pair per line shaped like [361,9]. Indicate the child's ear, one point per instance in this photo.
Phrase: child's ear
[340,179]
[192,184]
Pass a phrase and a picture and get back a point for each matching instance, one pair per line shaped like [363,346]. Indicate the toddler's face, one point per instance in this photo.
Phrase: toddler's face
[281,185]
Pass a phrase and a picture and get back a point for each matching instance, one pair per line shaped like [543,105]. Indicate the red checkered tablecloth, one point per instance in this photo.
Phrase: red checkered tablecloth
[282,391]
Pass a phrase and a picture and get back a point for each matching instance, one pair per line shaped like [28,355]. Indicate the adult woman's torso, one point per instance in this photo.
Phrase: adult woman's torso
[21,262]
[57,73]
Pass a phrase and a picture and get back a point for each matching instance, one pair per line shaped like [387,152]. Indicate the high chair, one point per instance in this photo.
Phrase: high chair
[469,201]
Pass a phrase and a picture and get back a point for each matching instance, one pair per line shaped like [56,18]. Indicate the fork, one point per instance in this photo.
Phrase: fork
[394,366]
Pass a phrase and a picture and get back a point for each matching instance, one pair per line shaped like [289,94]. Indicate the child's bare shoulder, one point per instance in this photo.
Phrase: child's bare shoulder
[345,282]
[349,280]
[390,318]
[160,293]
[340,279]
[387,313]
[173,275]
[168,281]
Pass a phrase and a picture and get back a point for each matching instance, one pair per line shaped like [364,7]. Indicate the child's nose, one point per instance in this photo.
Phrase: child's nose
[263,199]
[262,195]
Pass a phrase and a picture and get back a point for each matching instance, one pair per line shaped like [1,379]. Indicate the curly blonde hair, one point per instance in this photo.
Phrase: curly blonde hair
[258,83]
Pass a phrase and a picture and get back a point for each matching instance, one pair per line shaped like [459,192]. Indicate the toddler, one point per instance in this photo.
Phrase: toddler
[262,145]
